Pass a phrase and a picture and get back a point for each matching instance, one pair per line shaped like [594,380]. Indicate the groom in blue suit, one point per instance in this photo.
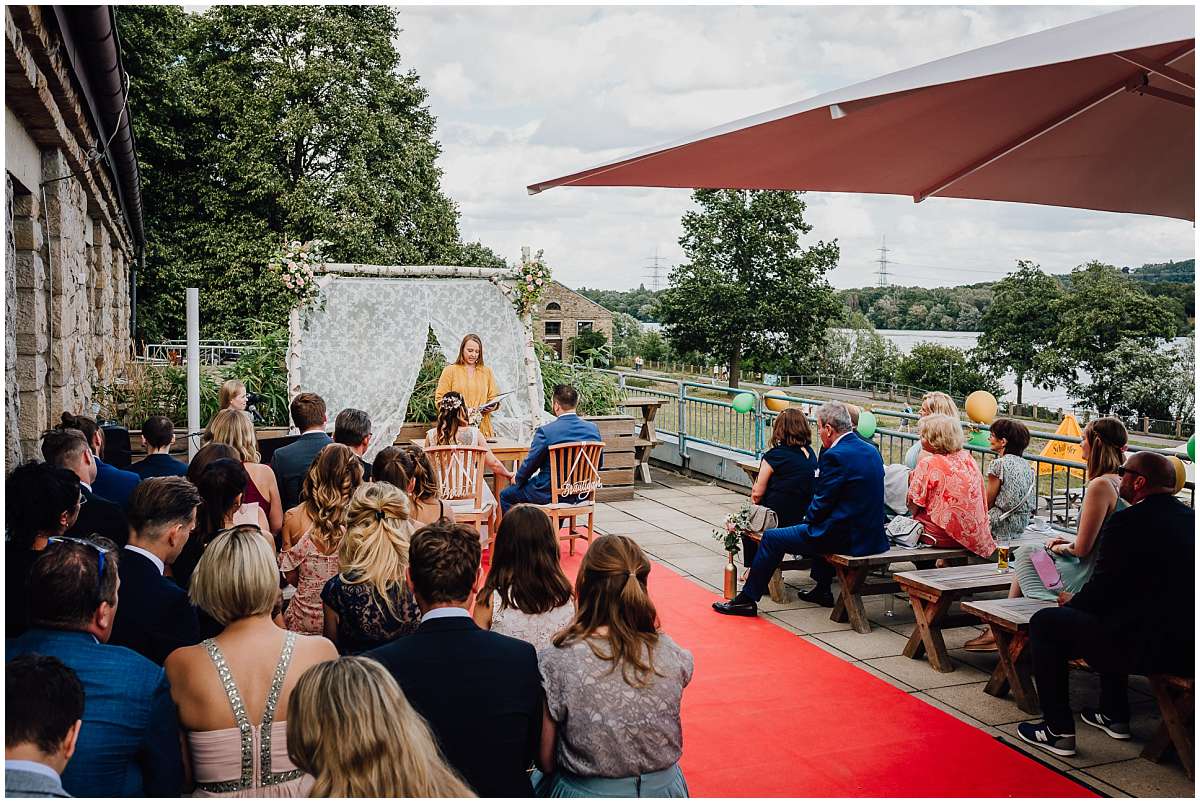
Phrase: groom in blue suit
[845,516]
[532,481]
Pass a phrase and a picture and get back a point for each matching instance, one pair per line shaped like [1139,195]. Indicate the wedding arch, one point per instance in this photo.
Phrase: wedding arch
[361,342]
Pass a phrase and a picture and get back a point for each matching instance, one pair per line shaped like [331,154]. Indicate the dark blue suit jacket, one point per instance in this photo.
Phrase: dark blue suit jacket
[846,515]
[290,463]
[567,428]
[129,743]
[114,484]
[154,616]
[159,465]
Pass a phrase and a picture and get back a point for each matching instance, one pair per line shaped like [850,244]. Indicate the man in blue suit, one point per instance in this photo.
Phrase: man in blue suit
[128,745]
[532,481]
[845,516]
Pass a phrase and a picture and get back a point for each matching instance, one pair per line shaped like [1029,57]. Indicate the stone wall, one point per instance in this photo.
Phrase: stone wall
[572,309]
[68,253]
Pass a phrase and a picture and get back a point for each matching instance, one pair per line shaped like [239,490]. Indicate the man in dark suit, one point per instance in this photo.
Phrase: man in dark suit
[1136,615]
[845,515]
[532,481]
[43,711]
[129,743]
[480,691]
[353,428]
[290,463]
[158,435]
[156,616]
[68,448]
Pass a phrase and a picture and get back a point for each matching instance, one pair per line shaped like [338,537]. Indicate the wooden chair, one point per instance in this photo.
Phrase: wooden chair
[460,476]
[574,472]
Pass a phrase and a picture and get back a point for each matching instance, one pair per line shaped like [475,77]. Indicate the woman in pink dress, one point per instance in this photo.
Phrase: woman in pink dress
[945,490]
[312,534]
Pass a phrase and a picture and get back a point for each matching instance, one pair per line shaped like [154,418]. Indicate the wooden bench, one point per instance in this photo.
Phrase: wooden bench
[1009,623]
[853,571]
[1176,698]
[646,438]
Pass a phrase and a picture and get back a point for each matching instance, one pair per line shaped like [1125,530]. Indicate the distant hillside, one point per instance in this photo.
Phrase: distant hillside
[641,303]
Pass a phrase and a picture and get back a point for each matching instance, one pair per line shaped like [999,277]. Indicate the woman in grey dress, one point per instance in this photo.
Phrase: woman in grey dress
[614,685]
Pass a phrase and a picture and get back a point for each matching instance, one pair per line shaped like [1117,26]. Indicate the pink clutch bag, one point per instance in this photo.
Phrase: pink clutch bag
[1043,564]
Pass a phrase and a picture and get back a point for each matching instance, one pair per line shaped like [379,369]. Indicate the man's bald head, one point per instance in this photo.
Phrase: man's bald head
[1146,474]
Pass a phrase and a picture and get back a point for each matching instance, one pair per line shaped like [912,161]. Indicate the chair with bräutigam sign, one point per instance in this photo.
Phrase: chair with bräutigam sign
[459,471]
[574,476]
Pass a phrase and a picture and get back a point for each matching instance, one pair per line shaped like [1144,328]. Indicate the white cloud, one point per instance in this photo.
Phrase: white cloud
[532,92]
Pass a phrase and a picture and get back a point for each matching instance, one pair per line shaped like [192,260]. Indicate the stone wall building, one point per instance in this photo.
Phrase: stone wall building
[564,314]
[72,214]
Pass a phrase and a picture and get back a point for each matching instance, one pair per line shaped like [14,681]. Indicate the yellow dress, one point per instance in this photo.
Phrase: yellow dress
[476,388]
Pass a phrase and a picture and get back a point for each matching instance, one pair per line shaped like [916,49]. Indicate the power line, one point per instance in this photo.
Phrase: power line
[883,263]
[655,275]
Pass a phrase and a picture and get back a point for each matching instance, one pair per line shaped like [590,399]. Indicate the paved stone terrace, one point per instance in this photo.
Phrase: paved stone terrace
[674,519]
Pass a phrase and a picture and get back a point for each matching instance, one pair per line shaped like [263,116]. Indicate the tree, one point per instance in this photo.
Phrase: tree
[932,367]
[1021,321]
[748,290]
[256,123]
[592,346]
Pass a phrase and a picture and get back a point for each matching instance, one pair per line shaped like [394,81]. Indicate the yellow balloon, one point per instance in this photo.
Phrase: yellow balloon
[776,402]
[1180,473]
[981,407]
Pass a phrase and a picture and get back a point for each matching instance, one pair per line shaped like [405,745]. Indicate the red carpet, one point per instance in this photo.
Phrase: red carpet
[769,715]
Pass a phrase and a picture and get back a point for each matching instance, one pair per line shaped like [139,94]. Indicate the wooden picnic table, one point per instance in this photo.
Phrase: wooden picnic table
[509,452]
[751,468]
[647,438]
[1009,623]
[853,571]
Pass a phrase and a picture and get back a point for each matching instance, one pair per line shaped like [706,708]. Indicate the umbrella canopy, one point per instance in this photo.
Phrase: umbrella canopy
[1098,114]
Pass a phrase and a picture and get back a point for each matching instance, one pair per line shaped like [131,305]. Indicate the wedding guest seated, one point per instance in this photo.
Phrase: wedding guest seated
[111,483]
[129,743]
[368,602]
[844,517]
[156,617]
[290,463]
[479,691]
[408,468]
[43,712]
[613,662]
[933,403]
[313,532]
[786,474]
[945,490]
[236,429]
[351,728]
[353,428]
[526,594]
[532,480]
[40,501]
[158,436]
[221,484]
[233,690]
[1136,615]
[67,448]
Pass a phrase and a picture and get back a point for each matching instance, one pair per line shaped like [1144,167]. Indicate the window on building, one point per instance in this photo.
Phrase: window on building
[553,306]
[583,326]
[553,328]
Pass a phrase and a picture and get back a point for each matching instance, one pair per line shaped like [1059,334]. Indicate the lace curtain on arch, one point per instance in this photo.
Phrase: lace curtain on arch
[364,349]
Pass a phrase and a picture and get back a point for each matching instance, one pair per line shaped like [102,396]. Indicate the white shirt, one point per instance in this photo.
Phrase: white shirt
[31,766]
[444,613]
[150,556]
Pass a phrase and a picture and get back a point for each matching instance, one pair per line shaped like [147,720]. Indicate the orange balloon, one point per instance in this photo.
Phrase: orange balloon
[981,407]
[1180,473]
[776,402]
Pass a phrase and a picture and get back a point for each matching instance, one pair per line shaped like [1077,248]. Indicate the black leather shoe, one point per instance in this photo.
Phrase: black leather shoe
[818,594]
[736,607]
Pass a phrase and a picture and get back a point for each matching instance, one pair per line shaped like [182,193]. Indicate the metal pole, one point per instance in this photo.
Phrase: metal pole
[193,370]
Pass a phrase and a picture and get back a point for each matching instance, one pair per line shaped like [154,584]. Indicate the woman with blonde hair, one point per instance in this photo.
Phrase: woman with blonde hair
[313,532]
[933,403]
[945,491]
[234,428]
[409,469]
[232,396]
[472,380]
[368,603]
[232,690]
[612,659]
[351,728]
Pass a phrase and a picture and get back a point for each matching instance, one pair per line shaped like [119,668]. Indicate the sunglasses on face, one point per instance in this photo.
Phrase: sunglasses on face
[1123,470]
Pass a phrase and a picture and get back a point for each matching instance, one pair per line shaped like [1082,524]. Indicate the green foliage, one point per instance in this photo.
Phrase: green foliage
[932,367]
[641,303]
[148,389]
[1139,378]
[951,309]
[1021,321]
[592,347]
[421,404]
[598,392]
[263,370]
[257,124]
[748,291]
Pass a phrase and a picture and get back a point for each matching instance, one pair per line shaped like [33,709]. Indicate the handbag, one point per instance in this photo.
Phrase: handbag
[762,518]
[1047,572]
[905,531]
[995,517]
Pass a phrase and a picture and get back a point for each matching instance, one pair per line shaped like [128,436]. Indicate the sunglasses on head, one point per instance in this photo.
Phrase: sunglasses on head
[100,552]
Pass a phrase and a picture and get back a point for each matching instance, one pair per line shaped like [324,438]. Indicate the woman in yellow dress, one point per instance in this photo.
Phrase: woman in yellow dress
[472,379]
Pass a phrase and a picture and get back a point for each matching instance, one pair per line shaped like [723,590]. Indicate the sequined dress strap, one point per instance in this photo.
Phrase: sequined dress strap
[285,660]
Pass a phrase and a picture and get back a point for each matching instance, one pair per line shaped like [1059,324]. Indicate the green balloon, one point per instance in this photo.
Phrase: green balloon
[867,424]
[979,438]
[1191,448]
[743,402]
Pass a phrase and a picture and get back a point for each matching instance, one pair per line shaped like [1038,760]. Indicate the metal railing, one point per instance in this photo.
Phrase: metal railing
[212,352]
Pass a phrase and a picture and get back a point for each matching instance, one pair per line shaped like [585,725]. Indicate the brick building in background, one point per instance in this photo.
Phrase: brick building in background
[563,314]
[73,215]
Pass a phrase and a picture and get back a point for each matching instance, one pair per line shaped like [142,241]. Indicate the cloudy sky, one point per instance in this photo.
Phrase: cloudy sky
[529,93]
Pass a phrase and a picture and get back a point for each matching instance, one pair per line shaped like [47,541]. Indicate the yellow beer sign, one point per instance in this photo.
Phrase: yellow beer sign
[1061,450]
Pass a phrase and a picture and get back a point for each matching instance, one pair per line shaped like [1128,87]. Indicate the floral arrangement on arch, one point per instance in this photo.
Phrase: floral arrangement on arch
[294,262]
[533,278]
